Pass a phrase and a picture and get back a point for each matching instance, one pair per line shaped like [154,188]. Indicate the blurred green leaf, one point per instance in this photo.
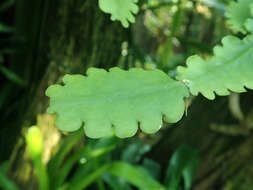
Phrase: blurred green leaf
[134,151]
[6,51]
[249,25]
[91,150]
[116,183]
[4,167]
[67,145]
[238,13]
[83,169]
[67,166]
[6,183]
[177,19]
[103,145]
[183,163]
[154,4]
[5,29]
[153,168]
[83,155]
[6,4]
[164,52]
[11,76]
[88,179]
[135,176]
[128,172]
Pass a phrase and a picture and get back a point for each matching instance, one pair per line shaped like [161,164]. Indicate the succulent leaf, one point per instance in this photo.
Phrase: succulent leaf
[117,101]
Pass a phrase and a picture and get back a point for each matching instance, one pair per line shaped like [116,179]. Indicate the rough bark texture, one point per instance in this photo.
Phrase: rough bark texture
[74,35]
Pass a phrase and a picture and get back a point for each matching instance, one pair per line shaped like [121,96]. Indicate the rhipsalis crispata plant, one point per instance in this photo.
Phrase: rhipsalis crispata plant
[118,101]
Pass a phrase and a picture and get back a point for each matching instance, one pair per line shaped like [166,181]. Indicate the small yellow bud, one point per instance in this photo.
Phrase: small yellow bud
[34,141]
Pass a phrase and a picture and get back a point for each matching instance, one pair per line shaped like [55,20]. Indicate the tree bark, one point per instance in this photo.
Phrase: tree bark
[74,35]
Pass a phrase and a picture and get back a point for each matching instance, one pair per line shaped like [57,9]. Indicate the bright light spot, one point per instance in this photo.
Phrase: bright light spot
[83,160]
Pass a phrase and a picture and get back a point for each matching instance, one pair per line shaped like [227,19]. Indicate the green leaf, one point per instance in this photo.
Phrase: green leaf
[67,166]
[82,153]
[5,182]
[231,68]
[134,152]
[57,160]
[152,167]
[249,25]
[116,183]
[85,181]
[135,176]
[238,13]
[116,101]
[183,163]
[6,5]
[5,29]
[129,173]
[11,76]
[121,10]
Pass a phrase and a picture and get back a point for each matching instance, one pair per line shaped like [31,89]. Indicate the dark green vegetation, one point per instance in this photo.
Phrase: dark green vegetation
[210,148]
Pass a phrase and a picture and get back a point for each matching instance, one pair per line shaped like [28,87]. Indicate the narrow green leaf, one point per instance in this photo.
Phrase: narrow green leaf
[153,168]
[11,76]
[116,183]
[134,152]
[177,19]
[87,180]
[183,163]
[4,166]
[123,170]
[135,176]
[59,179]
[6,183]
[67,145]
[5,29]
[6,4]
[249,25]
[116,101]
[82,153]
[82,171]
[231,68]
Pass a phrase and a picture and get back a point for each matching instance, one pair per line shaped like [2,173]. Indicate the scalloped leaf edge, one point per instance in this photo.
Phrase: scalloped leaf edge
[174,112]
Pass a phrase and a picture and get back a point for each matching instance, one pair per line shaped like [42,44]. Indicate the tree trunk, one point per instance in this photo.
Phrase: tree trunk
[74,35]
